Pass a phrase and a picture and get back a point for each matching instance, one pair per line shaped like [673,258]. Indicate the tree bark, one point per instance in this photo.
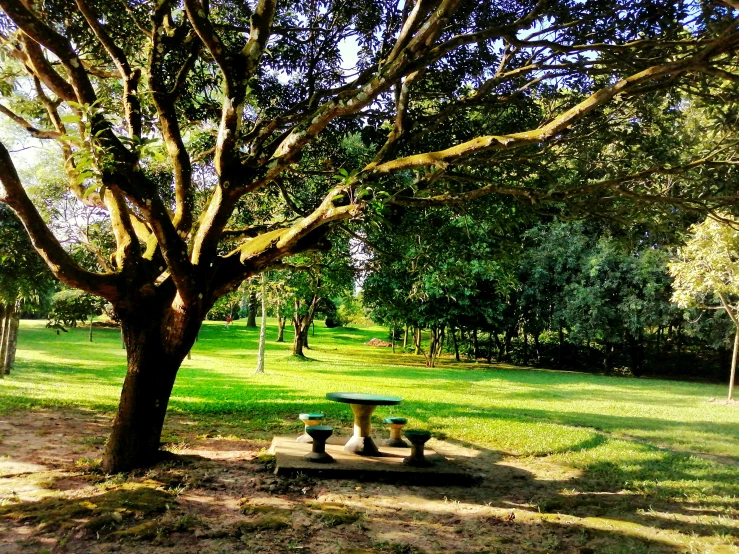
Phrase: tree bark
[298,337]
[302,325]
[12,340]
[263,328]
[455,343]
[156,345]
[500,345]
[281,321]
[732,375]
[405,337]
[251,320]
[417,341]
[90,327]
[2,330]
[5,338]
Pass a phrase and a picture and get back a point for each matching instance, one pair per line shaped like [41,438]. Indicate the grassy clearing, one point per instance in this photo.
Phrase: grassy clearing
[638,435]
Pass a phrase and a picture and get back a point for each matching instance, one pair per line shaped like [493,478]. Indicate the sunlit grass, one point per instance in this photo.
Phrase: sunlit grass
[610,426]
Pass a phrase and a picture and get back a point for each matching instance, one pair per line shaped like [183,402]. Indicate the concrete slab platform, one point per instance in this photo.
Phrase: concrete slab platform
[290,461]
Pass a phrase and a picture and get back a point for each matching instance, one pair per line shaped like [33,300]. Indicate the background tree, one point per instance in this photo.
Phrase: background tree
[25,281]
[310,282]
[444,271]
[73,305]
[172,121]
[706,273]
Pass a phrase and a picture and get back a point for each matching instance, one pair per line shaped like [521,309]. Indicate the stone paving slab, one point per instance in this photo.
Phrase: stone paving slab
[290,461]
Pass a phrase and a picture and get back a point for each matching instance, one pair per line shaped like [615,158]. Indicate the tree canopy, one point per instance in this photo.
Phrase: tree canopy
[706,273]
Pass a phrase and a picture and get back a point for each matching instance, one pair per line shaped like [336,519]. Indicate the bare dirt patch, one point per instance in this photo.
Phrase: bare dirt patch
[217,495]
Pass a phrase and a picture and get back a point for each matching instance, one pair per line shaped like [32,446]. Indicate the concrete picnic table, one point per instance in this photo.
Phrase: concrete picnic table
[363,405]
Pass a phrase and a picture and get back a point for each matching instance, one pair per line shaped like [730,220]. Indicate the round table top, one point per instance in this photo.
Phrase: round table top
[364,399]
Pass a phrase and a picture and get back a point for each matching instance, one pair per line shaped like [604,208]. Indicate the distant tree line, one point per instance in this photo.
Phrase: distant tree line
[567,295]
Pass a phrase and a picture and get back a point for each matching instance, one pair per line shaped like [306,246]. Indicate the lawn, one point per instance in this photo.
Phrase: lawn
[657,441]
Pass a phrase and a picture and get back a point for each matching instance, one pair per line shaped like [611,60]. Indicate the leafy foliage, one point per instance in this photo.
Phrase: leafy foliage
[68,307]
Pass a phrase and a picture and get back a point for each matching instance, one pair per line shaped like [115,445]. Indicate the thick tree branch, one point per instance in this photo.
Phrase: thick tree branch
[517,140]
[44,35]
[129,78]
[59,261]
[33,131]
[169,126]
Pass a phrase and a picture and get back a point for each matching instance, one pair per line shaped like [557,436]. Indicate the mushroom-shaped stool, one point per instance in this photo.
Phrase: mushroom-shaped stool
[418,439]
[319,433]
[309,420]
[396,425]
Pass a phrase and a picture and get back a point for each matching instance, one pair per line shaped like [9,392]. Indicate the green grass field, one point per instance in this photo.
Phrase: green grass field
[653,437]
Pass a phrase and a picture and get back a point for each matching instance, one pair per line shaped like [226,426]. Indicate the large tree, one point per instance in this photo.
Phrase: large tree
[174,115]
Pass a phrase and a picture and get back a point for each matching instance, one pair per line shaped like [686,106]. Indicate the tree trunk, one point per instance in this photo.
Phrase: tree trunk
[281,321]
[5,338]
[251,320]
[634,355]
[475,344]
[263,328]
[561,346]
[417,341]
[302,326]
[2,329]
[90,327]
[405,337]
[12,340]
[732,375]
[525,347]
[608,362]
[298,338]
[433,348]
[155,347]
[500,345]
[455,343]
[507,338]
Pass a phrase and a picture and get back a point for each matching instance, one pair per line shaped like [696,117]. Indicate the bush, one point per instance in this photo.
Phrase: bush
[73,305]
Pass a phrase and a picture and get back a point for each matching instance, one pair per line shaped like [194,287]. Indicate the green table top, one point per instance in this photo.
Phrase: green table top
[364,399]
[311,416]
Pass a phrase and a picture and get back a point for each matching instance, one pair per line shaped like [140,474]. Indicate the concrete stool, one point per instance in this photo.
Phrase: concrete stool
[418,439]
[319,433]
[396,425]
[309,420]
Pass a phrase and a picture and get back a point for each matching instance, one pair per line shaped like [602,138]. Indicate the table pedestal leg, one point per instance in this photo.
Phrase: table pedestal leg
[361,442]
